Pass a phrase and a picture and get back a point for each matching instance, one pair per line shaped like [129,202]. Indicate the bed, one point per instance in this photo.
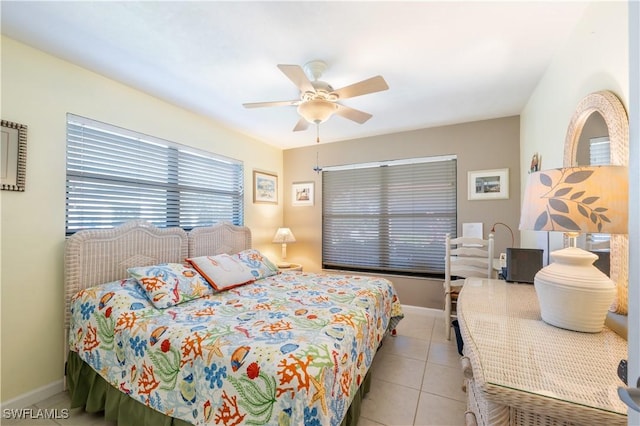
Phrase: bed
[278,348]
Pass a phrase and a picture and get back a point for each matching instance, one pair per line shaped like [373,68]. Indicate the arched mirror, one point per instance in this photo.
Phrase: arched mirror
[599,129]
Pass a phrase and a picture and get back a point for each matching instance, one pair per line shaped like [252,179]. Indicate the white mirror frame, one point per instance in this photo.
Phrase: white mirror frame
[609,106]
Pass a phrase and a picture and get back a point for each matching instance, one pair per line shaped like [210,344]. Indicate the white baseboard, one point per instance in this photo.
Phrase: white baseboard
[30,398]
[420,309]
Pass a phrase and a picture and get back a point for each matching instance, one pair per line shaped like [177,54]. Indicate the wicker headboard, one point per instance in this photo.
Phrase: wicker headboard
[94,257]
[221,238]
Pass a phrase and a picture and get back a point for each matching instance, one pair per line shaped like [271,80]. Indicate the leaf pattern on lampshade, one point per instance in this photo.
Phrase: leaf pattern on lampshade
[562,197]
[577,199]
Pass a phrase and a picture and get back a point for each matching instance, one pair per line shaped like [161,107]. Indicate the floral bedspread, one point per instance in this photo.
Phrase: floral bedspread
[288,349]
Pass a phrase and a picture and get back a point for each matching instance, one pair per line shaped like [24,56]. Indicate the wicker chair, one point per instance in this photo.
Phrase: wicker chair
[464,257]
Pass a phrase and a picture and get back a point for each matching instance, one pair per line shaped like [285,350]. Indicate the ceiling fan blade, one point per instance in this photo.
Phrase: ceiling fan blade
[271,104]
[296,74]
[301,125]
[353,114]
[371,85]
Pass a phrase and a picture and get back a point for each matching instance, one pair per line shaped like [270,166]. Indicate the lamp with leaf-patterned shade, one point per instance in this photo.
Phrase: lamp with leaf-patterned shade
[574,294]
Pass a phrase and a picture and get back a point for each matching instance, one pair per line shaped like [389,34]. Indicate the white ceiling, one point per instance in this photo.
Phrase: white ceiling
[445,62]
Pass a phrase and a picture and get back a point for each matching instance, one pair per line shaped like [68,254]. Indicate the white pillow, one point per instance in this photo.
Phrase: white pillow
[222,271]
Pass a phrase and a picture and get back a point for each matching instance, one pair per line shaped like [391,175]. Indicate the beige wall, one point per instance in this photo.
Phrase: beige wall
[488,144]
[594,58]
[38,90]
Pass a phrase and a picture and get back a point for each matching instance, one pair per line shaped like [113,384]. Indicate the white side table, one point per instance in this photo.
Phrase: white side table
[525,371]
[291,267]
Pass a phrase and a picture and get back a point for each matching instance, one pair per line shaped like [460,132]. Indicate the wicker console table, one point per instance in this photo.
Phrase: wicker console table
[522,371]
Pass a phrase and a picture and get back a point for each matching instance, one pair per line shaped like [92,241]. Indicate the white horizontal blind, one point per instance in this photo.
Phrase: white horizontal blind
[389,217]
[115,175]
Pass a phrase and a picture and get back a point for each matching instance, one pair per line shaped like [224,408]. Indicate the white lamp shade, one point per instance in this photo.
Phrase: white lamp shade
[284,235]
[577,199]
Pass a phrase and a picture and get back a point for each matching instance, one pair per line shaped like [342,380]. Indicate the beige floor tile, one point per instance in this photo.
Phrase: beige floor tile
[438,334]
[422,312]
[445,353]
[444,381]
[409,347]
[439,411]
[417,325]
[367,422]
[398,370]
[57,401]
[390,404]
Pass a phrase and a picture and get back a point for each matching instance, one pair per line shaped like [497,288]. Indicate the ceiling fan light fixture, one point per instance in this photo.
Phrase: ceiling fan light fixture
[317,110]
[318,100]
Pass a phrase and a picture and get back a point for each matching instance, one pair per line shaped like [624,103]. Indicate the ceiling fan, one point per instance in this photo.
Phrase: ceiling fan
[318,100]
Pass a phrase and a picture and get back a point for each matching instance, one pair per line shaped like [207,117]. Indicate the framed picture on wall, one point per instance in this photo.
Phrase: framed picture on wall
[265,187]
[488,184]
[302,194]
[13,156]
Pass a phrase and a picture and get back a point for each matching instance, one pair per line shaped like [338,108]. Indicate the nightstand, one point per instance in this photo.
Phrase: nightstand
[291,267]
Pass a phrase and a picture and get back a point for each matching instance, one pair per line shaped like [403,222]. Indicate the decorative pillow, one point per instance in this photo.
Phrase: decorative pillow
[222,271]
[169,284]
[260,266]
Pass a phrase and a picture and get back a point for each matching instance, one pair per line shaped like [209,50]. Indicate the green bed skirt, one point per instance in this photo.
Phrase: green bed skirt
[88,390]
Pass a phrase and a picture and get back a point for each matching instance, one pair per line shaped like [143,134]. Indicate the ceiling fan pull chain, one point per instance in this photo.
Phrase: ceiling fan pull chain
[317,168]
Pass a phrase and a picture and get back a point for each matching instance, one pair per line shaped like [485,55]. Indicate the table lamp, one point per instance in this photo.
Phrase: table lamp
[284,236]
[572,292]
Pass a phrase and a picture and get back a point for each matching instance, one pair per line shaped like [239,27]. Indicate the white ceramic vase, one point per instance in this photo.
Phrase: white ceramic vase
[574,294]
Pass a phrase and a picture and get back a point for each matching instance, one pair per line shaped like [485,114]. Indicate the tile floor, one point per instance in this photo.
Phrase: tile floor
[416,381]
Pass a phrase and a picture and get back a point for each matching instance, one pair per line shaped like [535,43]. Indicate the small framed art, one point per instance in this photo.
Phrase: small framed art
[302,194]
[488,184]
[13,156]
[265,187]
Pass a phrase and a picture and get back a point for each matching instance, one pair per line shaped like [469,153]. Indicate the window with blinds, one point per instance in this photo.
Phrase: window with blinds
[115,175]
[389,217]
